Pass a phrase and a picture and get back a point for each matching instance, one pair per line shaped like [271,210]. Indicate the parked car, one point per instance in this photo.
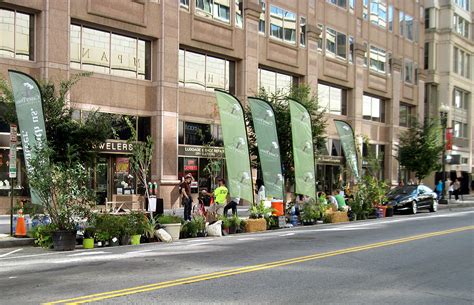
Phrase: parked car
[411,198]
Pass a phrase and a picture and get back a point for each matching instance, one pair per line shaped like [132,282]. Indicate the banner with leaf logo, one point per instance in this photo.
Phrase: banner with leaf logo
[303,150]
[268,146]
[237,156]
[346,135]
[29,110]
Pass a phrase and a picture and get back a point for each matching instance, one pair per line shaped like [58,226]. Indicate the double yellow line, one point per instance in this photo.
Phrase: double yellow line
[248,269]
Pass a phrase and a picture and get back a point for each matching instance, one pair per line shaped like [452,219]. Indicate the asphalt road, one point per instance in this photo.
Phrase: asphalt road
[423,259]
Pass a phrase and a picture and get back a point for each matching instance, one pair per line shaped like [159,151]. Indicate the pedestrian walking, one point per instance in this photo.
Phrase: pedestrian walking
[439,189]
[232,205]
[186,200]
[456,189]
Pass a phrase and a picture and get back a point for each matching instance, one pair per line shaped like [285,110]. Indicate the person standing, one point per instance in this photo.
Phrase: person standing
[260,190]
[456,189]
[220,198]
[187,201]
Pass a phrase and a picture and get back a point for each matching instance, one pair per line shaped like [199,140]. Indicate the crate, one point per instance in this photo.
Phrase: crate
[255,225]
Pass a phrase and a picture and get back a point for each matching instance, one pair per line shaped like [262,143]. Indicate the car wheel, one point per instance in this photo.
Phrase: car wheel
[414,207]
[434,206]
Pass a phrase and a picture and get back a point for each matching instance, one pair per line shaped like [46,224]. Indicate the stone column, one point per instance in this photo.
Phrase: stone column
[247,79]
[313,33]
[354,107]
[393,120]
[165,123]
[51,44]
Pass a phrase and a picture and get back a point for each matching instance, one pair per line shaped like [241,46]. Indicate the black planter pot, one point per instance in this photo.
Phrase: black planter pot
[64,240]
[232,230]
[125,240]
[308,222]
[389,212]
[114,242]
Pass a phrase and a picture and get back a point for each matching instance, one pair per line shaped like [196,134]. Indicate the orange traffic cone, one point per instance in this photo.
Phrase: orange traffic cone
[20,225]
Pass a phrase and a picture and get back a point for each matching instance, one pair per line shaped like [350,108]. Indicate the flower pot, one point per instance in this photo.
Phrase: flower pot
[135,239]
[389,212]
[173,229]
[114,242]
[125,240]
[64,240]
[88,243]
[232,229]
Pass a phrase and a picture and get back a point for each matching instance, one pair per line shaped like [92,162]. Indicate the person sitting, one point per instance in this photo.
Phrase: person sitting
[341,202]
[234,201]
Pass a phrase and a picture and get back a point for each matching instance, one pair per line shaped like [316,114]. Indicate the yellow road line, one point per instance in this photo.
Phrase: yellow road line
[243,270]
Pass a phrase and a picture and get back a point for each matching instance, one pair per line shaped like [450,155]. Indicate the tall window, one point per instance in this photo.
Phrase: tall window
[408,72]
[460,129]
[341,3]
[16,35]
[204,6]
[427,18]
[406,114]
[461,62]
[333,99]
[378,59]
[464,4]
[204,72]
[378,12]
[426,58]
[365,9]
[109,53]
[401,23]
[461,26]
[373,109]
[390,18]
[336,43]
[184,3]
[320,38]
[352,6]
[282,24]
[409,26]
[261,22]
[274,82]
[217,9]
[239,21]
[351,49]
[460,99]
[302,31]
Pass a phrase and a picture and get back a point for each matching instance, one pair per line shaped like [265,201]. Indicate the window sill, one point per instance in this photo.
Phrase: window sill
[210,19]
[113,77]
[283,42]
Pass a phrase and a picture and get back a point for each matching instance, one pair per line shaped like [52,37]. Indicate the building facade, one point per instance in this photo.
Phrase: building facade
[160,60]
[449,51]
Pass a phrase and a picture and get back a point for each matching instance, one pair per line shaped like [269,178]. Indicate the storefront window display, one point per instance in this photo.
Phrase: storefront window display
[201,154]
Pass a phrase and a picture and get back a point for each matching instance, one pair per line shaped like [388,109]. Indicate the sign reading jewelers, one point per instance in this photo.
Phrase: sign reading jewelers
[115,146]
[199,151]
[29,110]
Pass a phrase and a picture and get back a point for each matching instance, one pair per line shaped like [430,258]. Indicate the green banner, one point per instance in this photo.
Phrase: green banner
[236,147]
[303,151]
[29,110]
[264,124]
[346,136]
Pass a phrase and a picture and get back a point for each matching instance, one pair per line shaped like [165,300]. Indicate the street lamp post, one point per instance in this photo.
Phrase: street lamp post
[443,112]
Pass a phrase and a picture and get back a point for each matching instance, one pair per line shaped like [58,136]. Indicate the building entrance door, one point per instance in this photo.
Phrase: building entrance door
[102,179]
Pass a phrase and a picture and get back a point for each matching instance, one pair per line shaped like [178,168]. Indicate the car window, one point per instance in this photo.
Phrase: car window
[421,190]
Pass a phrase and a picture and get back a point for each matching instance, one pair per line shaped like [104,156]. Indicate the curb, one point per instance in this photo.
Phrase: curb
[12,242]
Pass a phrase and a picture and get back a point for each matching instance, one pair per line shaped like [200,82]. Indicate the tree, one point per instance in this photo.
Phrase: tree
[279,102]
[67,136]
[420,148]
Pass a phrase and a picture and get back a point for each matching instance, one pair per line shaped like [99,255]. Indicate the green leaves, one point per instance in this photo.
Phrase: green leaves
[420,148]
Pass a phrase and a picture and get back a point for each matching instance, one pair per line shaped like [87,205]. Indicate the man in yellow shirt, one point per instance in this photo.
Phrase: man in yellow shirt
[220,199]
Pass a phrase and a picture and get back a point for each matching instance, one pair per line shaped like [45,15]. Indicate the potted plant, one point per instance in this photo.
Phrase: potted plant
[234,224]
[124,230]
[200,225]
[113,227]
[63,189]
[310,214]
[225,224]
[171,224]
[88,241]
[257,222]
[149,228]
[189,229]
[135,221]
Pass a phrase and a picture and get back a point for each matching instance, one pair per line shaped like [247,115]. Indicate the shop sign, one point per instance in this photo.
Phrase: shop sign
[122,165]
[115,146]
[191,165]
[449,138]
[12,159]
[332,160]
[200,151]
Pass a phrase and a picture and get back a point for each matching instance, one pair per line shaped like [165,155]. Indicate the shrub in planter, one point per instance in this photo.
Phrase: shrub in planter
[255,225]
[235,222]
[225,224]
[310,213]
[63,189]
[150,225]
[189,229]
[135,223]
[171,224]
[272,222]
[200,225]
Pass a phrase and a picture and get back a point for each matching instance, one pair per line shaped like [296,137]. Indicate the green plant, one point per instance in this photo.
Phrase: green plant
[149,227]
[235,221]
[89,232]
[310,212]
[272,222]
[135,223]
[43,235]
[63,188]
[259,210]
[29,208]
[225,222]
[169,219]
[200,222]
[102,236]
[106,227]
[189,229]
